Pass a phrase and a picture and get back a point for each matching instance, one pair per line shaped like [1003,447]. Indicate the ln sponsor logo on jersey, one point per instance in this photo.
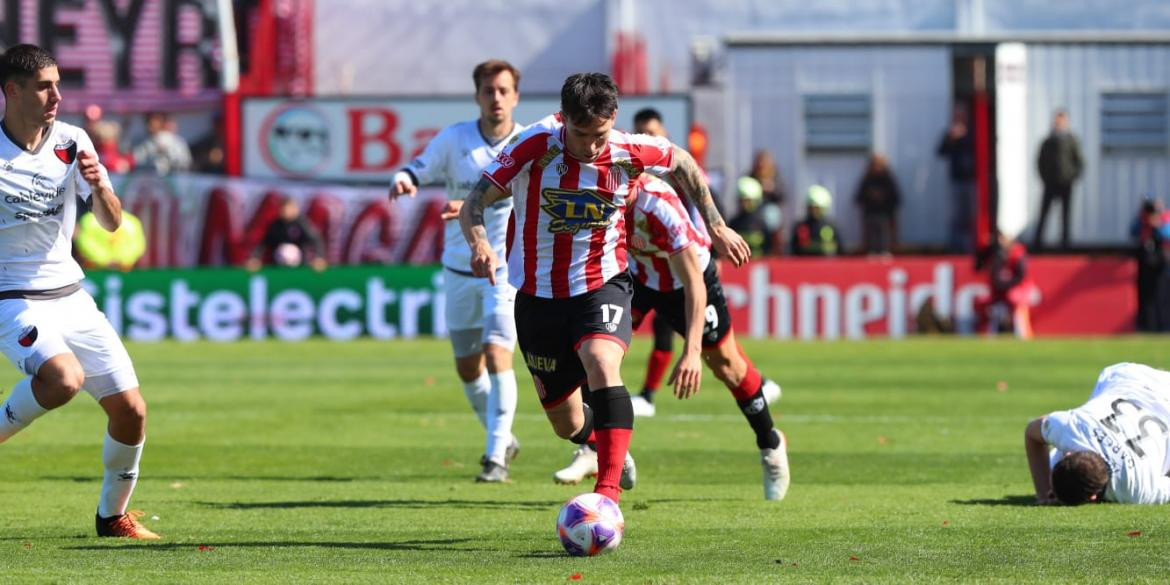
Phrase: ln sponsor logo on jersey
[575,210]
[66,151]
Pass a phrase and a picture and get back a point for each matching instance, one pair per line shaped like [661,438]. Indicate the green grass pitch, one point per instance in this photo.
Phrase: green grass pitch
[326,462]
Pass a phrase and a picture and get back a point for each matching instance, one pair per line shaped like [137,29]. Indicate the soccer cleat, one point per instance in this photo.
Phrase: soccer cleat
[124,526]
[584,465]
[629,473]
[512,451]
[771,392]
[642,407]
[776,472]
[492,473]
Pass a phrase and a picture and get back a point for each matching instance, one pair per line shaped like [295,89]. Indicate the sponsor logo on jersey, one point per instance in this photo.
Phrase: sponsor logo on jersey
[506,161]
[552,152]
[631,171]
[66,151]
[9,414]
[28,336]
[514,139]
[540,363]
[562,168]
[575,210]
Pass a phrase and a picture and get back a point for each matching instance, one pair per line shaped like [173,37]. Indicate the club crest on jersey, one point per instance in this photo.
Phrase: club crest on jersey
[562,168]
[575,210]
[28,336]
[66,151]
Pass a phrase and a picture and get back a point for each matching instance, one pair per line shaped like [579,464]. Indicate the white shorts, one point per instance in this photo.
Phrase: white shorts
[31,332]
[479,313]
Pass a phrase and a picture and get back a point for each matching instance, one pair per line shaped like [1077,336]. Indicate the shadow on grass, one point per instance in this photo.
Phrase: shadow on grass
[1029,501]
[408,504]
[319,478]
[407,545]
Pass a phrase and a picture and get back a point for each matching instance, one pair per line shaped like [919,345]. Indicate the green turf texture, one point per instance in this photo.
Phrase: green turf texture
[324,462]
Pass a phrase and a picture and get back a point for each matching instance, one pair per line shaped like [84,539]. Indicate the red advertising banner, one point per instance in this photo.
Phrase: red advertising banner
[855,298]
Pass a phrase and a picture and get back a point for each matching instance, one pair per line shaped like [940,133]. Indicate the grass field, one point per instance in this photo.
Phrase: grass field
[353,462]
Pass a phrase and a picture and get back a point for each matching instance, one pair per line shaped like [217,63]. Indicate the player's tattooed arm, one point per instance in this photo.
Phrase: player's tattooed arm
[686,174]
[483,257]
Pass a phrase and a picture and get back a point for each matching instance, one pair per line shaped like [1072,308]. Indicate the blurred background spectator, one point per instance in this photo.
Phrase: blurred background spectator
[815,235]
[163,151]
[878,198]
[107,139]
[1012,295]
[290,240]
[1151,232]
[207,153]
[752,222]
[1060,164]
[958,146]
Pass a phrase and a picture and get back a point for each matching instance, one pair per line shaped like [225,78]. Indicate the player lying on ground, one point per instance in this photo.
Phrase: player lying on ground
[1113,448]
[479,313]
[571,177]
[50,327]
[675,276]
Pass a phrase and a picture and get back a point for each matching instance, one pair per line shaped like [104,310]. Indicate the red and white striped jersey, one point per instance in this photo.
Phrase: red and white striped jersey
[661,225]
[569,235]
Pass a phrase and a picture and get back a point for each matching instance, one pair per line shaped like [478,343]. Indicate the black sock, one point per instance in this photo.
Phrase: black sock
[648,395]
[587,429]
[612,408]
[760,419]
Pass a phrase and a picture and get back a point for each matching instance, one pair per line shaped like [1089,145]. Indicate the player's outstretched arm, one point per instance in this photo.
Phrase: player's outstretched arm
[1037,450]
[483,257]
[686,174]
[688,371]
[107,208]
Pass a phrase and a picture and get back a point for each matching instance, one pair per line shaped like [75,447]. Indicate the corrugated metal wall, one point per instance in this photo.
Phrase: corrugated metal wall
[910,90]
[1073,77]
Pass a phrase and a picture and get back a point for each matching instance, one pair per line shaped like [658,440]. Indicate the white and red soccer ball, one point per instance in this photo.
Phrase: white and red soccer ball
[590,524]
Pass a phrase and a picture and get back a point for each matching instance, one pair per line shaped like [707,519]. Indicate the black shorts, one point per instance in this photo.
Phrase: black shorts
[672,305]
[551,330]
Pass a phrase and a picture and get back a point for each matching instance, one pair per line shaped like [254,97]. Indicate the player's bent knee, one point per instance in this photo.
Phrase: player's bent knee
[469,368]
[61,378]
[499,359]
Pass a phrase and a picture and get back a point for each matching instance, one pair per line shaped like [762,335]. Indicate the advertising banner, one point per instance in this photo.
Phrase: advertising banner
[368,139]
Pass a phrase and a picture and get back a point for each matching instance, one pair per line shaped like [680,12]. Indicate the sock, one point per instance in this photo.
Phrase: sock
[655,371]
[760,419]
[19,410]
[613,426]
[121,462]
[751,383]
[501,409]
[477,392]
[585,435]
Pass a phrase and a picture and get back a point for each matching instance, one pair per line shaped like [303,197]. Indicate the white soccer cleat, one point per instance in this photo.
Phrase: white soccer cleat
[771,393]
[776,472]
[584,465]
[629,473]
[642,407]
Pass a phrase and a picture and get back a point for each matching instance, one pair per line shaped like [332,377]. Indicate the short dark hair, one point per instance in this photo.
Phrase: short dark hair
[586,97]
[21,62]
[492,68]
[645,115]
[1078,477]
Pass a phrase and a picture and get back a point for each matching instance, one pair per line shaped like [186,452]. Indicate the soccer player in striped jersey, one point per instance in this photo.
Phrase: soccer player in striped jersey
[571,176]
[50,327]
[674,275]
[479,313]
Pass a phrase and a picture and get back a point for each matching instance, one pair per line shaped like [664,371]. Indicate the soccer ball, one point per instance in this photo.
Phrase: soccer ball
[590,524]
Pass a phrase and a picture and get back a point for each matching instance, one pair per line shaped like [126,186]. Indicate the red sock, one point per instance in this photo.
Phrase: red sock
[749,385]
[612,445]
[656,368]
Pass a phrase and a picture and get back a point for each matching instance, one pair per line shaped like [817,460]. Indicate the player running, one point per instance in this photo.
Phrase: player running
[49,326]
[1115,447]
[479,311]
[571,176]
[675,276]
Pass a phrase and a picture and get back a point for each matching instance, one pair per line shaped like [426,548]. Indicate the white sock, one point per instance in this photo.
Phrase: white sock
[19,410]
[477,394]
[501,408]
[121,462]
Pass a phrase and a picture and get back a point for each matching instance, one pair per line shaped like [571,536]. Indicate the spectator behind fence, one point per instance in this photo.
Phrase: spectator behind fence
[958,146]
[163,151]
[1060,163]
[289,240]
[107,139]
[207,153]
[757,220]
[1151,232]
[815,235]
[1013,293]
[765,171]
[878,198]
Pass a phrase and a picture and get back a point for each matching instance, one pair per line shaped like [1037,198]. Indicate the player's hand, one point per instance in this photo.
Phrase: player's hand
[402,185]
[484,261]
[451,211]
[729,244]
[91,169]
[687,375]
